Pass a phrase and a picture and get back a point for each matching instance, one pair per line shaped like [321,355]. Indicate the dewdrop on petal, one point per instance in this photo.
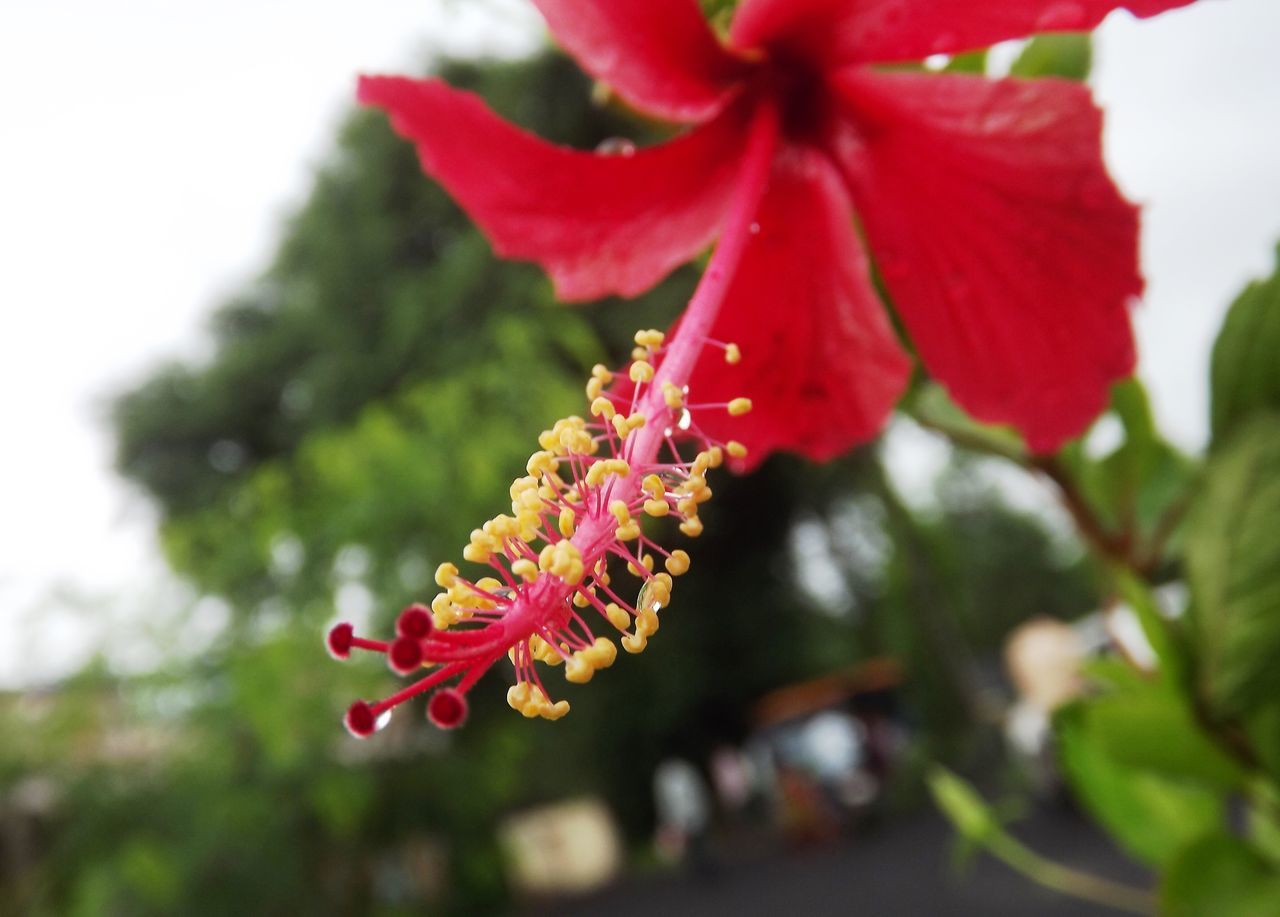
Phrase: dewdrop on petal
[576,515]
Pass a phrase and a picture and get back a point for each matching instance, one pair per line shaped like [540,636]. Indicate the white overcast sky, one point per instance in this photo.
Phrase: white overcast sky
[150,149]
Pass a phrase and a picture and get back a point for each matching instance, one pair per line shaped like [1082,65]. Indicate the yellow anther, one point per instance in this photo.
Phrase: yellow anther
[578,670]
[736,449]
[639,353]
[532,701]
[634,643]
[715,455]
[554,711]
[692,526]
[446,573]
[646,623]
[442,611]
[595,388]
[542,463]
[545,651]
[603,407]
[548,439]
[646,561]
[636,421]
[677,563]
[617,617]
[602,653]
[518,695]
[739,406]
[601,372]
[476,553]
[501,527]
[567,521]
[672,395]
[574,441]
[488,584]
[688,506]
[562,559]
[653,485]
[659,590]
[641,371]
[649,338]
[696,487]
[620,511]
[526,569]
[628,532]
[732,353]
[656,508]
[595,474]
[618,466]
[580,600]
[530,526]
[620,425]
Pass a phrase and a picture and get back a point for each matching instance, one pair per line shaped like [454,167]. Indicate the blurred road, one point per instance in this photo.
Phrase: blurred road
[903,868]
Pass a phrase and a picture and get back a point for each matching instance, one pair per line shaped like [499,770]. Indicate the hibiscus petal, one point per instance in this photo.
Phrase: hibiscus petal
[599,224]
[659,55]
[1007,249]
[845,32]
[820,360]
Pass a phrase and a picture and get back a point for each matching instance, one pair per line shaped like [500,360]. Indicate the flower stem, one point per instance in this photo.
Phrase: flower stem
[753,179]
[686,345]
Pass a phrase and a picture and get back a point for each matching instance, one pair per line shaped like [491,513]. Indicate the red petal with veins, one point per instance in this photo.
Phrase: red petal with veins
[846,32]
[597,224]
[659,55]
[819,359]
[1009,253]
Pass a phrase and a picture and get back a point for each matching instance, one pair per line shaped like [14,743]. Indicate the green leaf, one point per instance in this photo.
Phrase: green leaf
[933,408]
[1220,876]
[1064,54]
[1233,560]
[1154,731]
[1245,370]
[1263,819]
[1150,816]
[1140,481]
[1263,728]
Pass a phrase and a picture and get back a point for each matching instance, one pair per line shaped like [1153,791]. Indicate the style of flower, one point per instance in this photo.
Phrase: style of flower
[1006,249]
[580,509]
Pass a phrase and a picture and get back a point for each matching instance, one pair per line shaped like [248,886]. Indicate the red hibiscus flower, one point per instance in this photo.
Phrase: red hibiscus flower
[1007,250]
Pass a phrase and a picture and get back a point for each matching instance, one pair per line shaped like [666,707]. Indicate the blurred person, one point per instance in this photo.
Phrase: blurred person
[684,813]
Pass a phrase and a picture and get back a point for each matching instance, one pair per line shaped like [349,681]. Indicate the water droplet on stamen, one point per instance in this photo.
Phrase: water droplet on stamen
[686,420]
[644,603]
[616,146]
